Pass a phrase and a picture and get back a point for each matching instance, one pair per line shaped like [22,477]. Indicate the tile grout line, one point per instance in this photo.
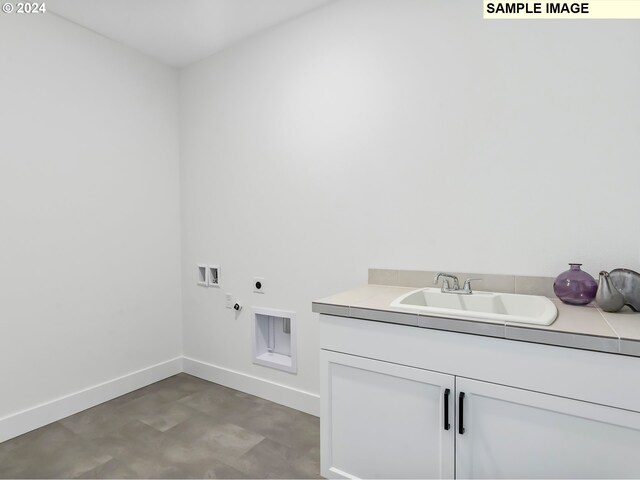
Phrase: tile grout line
[612,329]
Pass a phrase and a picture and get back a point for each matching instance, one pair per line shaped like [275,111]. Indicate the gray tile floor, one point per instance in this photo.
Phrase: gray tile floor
[181,427]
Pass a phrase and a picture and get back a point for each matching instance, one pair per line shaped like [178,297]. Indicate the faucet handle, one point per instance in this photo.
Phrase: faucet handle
[467,284]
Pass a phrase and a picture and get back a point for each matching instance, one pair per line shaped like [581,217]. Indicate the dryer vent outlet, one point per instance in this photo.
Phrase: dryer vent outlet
[274,339]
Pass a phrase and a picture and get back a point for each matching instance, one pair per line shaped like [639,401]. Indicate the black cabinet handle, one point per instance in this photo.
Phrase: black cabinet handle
[446,409]
[461,413]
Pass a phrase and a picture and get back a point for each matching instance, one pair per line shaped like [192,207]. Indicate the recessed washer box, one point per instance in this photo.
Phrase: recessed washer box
[274,339]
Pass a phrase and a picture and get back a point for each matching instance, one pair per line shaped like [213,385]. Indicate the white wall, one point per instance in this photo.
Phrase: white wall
[401,134]
[89,211]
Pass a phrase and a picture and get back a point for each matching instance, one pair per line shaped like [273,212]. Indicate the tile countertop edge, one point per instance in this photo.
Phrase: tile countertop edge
[580,341]
[495,330]
[329,309]
[611,344]
[520,333]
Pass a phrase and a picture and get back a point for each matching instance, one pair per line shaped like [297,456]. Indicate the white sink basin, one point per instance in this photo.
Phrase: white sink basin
[485,306]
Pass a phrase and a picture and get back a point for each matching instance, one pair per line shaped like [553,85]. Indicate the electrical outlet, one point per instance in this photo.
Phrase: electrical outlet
[258,285]
[228,300]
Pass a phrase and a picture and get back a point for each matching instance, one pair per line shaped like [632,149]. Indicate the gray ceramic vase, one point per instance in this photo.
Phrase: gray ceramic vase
[627,282]
[608,297]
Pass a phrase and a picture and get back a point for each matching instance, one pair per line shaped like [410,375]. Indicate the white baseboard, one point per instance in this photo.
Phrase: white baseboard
[275,392]
[49,412]
[41,415]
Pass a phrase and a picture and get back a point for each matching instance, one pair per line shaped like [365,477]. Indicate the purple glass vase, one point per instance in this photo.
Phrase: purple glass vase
[575,286]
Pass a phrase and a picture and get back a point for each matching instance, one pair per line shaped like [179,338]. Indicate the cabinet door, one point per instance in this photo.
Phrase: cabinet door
[514,433]
[383,420]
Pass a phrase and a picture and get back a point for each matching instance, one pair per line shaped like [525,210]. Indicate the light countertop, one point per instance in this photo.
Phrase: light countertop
[587,328]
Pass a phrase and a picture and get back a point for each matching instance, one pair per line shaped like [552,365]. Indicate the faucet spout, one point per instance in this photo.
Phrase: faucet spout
[445,284]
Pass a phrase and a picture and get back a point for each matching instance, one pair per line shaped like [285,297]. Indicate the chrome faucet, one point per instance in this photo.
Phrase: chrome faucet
[446,288]
[445,283]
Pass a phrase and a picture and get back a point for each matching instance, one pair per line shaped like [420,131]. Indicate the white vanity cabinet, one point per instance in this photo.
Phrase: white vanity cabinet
[515,433]
[381,420]
[389,391]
